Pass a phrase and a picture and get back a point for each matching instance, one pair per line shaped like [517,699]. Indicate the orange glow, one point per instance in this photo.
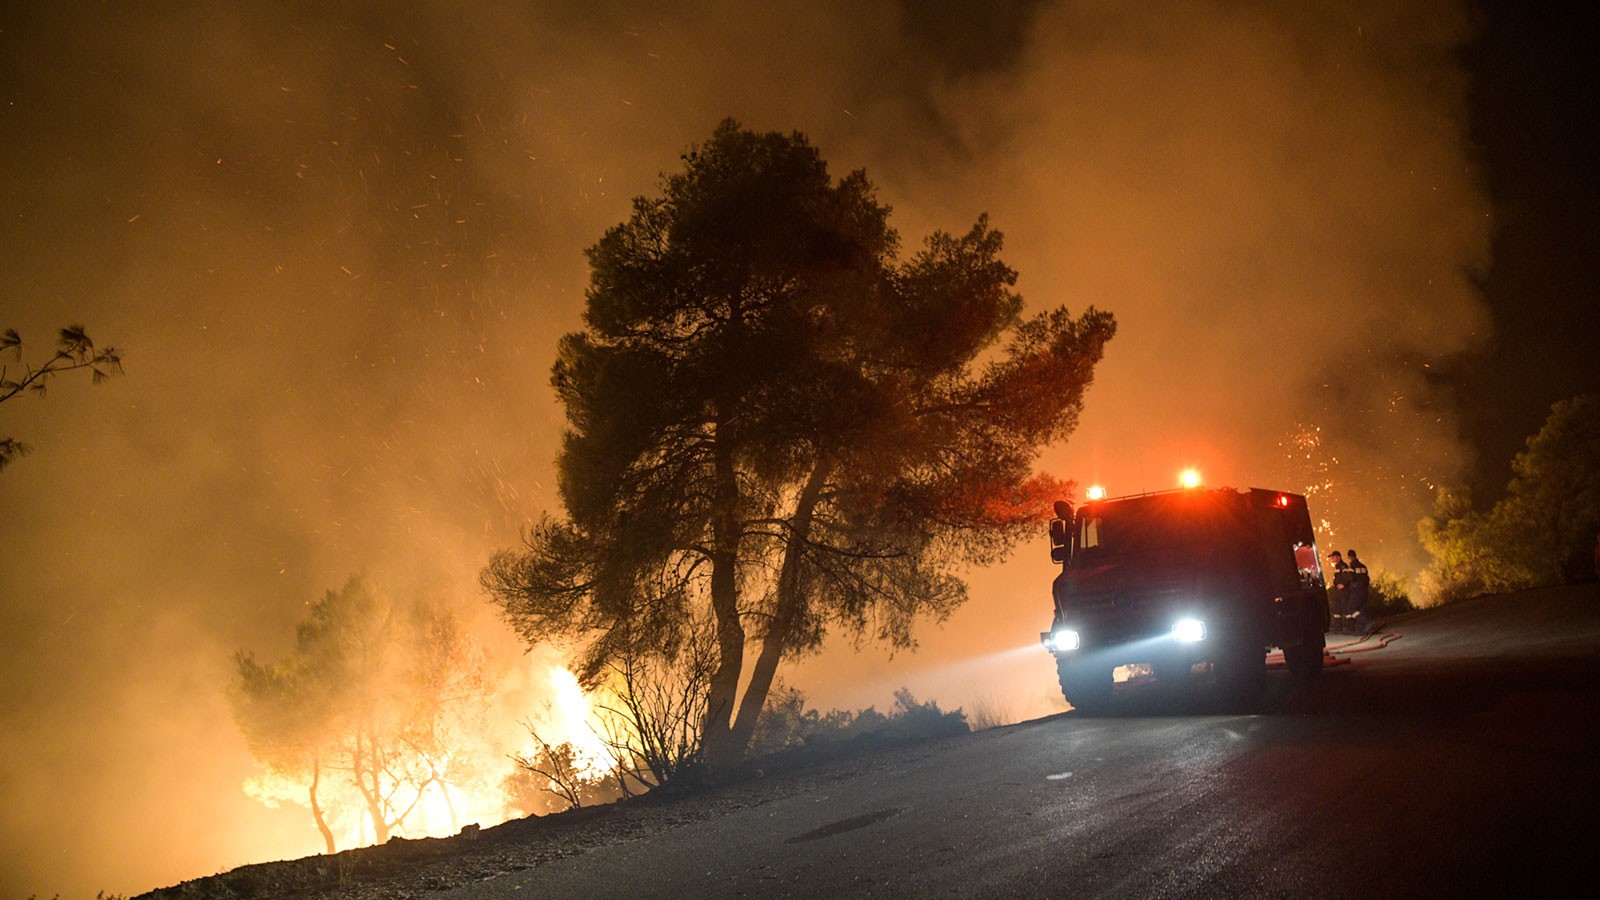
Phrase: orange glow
[402,423]
[435,797]
[1189,478]
[573,720]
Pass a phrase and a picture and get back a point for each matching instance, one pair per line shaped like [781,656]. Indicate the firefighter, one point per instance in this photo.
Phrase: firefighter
[1340,592]
[1356,595]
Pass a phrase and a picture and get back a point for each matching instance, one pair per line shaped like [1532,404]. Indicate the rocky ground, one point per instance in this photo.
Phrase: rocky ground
[405,868]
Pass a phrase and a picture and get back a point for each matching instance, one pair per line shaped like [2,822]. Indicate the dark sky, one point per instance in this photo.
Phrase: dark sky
[1350,245]
[1536,128]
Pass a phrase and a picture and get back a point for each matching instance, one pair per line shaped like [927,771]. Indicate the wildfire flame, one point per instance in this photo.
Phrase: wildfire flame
[472,790]
[577,718]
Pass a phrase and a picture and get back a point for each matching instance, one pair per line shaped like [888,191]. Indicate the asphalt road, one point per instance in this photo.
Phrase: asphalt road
[1456,758]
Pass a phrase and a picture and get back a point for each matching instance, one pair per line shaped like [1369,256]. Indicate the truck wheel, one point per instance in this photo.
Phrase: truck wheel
[1305,658]
[1087,687]
[1241,674]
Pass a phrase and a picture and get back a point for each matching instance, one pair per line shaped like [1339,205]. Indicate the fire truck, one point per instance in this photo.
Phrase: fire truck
[1192,585]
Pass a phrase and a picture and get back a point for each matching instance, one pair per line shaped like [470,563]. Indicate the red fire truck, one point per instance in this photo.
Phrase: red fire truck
[1185,583]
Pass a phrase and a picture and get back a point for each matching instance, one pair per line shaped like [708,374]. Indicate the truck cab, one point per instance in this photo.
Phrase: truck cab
[1185,582]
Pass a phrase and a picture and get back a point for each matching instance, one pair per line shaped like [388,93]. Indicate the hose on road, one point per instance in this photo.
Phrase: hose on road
[1339,654]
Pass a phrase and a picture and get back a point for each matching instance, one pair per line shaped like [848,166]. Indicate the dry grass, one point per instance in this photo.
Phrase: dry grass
[985,711]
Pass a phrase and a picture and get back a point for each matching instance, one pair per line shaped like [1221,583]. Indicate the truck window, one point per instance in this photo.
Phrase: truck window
[1142,527]
[1305,559]
[1088,532]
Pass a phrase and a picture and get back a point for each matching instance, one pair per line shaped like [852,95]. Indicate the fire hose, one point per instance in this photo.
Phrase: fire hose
[1339,654]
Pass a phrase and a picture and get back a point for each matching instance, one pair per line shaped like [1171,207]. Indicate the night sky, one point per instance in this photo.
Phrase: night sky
[1536,132]
[1351,247]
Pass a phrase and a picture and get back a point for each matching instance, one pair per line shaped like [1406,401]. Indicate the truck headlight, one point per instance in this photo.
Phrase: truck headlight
[1188,631]
[1063,639]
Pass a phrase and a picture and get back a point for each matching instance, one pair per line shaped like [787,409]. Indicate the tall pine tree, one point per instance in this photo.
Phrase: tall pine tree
[779,426]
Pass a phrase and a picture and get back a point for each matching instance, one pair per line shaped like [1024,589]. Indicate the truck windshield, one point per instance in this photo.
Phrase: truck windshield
[1141,527]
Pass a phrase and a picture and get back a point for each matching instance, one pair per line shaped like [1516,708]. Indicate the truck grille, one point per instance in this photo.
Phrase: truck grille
[1113,617]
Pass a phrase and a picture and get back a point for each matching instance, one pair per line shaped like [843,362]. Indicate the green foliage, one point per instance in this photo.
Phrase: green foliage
[777,423]
[1541,533]
[1389,595]
[1455,535]
[1553,505]
[74,350]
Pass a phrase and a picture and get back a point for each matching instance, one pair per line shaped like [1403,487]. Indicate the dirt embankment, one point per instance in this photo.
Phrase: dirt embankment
[405,868]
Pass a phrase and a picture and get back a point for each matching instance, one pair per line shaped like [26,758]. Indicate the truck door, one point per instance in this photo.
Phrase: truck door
[1283,569]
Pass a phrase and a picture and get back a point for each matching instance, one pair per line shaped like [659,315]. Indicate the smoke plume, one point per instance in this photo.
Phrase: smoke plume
[337,243]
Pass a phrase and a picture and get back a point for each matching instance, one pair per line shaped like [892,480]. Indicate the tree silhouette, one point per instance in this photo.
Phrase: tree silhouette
[775,418]
[74,350]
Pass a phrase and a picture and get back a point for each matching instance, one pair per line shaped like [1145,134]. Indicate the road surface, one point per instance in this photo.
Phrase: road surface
[1456,758]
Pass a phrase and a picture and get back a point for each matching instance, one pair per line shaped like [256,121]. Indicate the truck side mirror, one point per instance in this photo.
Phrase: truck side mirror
[1058,533]
[1063,510]
[1058,540]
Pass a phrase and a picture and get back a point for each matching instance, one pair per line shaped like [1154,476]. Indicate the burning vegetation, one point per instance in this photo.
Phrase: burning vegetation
[344,249]
[777,428]
[371,721]
[380,724]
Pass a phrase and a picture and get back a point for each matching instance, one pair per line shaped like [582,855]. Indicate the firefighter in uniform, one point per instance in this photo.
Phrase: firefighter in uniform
[1356,595]
[1339,594]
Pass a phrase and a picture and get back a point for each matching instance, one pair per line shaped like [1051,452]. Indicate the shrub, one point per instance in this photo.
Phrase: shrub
[1389,596]
[786,724]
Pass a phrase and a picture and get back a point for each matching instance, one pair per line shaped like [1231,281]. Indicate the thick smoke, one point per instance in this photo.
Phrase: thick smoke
[1277,203]
[339,241]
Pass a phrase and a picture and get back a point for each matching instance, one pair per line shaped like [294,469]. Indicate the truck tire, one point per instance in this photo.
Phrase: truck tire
[1241,671]
[1304,660]
[1087,687]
